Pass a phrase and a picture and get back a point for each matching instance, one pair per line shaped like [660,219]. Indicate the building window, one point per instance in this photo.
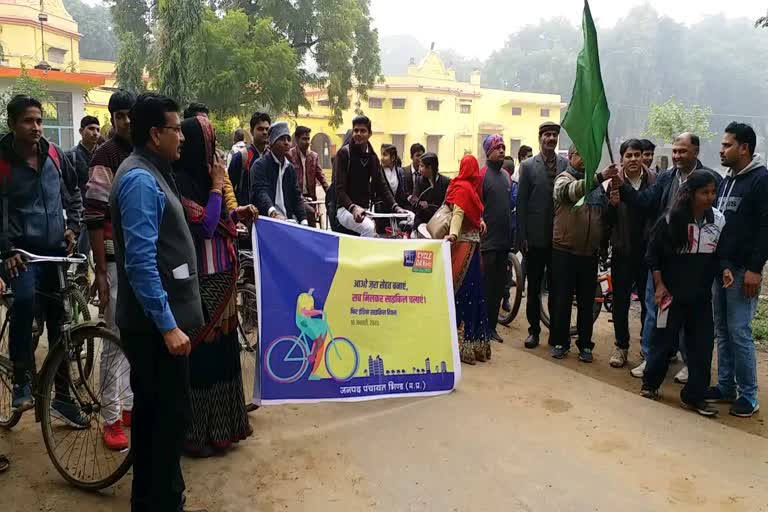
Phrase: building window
[57,55]
[545,112]
[398,103]
[433,144]
[517,111]
[433,105]
[57,122]
[375,102]
[399,142]
[465,108]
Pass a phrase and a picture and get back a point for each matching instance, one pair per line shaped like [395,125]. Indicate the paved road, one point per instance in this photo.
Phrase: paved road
[521,434]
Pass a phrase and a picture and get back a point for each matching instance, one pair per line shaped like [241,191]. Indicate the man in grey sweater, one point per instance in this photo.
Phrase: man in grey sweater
[535,214]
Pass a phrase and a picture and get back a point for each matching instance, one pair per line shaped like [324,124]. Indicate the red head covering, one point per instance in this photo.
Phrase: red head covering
[464,190]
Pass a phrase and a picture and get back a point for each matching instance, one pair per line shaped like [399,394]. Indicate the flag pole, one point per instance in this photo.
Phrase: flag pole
[608,143]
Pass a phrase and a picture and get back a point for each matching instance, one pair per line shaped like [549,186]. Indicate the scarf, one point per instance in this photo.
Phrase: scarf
[192,170]
[463,190]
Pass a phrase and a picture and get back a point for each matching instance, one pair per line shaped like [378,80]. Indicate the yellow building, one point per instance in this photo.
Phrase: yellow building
[41,37]
[428,105]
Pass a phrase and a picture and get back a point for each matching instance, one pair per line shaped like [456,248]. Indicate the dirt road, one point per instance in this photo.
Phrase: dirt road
[522,433]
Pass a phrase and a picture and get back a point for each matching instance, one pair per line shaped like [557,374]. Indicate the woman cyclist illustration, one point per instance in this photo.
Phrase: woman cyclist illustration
[312,323]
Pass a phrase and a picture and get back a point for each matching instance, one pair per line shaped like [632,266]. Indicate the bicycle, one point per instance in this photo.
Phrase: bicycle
[515,269]
[74,453]
[603,280]
[300,361]
[248,326]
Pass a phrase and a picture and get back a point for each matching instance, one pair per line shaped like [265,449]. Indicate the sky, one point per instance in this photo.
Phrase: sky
[477,32]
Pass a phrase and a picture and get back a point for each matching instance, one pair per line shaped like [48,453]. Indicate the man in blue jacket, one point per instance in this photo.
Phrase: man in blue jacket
[274,185]
[742,198]
[653,202]
[37,183]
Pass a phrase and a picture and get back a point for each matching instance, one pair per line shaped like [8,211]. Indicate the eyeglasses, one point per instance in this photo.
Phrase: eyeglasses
[177,129]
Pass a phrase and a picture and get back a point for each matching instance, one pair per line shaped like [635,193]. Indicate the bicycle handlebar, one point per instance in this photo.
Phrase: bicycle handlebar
[35,258]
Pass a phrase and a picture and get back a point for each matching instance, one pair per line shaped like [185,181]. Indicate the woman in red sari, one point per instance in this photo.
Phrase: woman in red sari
[463,197]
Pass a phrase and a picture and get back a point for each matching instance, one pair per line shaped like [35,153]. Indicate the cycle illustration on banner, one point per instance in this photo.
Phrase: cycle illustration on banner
[288,357]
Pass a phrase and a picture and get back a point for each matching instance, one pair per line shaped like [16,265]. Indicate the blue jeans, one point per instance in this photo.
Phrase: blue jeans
[649,327]
[28,304]
[736,358]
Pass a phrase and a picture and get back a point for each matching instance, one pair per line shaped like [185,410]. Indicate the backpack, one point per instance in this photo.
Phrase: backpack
[247,155]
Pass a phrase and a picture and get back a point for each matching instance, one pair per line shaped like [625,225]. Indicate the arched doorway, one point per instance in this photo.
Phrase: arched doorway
[321,144]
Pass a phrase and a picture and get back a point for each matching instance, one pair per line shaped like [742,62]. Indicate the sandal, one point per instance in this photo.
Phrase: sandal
[4,464]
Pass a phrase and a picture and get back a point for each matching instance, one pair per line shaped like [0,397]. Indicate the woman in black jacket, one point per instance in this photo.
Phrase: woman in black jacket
[682,255]
[433,189]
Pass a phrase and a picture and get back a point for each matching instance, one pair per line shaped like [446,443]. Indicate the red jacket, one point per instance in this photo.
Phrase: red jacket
[313,172]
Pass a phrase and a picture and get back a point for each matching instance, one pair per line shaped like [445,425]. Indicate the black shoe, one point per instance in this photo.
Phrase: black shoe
[715,396]
[743,408]
[650,394]
[585,355]
[532,341]
[559,351]
[495,337]
[701,407]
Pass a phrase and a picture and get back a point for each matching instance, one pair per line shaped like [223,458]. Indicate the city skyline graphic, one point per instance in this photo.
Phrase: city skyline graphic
[376,368]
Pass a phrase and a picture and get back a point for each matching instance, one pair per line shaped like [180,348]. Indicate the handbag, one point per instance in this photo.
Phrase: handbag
[440,223]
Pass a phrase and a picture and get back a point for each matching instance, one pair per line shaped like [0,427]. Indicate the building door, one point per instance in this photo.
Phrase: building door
[433,144]
[514,148]
[321,144]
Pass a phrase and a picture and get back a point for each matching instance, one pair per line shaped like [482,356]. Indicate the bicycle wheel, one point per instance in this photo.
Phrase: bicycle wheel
[8,418]
[248,337]
[515,292]
[342,359]
[81,314]
[292,364]
[80,456]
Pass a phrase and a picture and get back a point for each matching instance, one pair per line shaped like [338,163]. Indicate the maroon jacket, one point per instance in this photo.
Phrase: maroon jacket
[313,172]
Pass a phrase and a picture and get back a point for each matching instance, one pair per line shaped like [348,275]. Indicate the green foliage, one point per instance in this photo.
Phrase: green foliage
[762,22]
[99,40]
[176,48]
[27,85]
[669,119]
[130,63]
[131,25]
[245,64]
[336,34]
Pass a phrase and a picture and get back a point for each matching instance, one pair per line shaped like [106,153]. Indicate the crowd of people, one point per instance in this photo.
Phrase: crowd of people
[160,208]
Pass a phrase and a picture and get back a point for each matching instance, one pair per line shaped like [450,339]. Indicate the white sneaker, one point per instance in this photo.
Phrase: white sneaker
[618,358]
[638,371]
[682,376]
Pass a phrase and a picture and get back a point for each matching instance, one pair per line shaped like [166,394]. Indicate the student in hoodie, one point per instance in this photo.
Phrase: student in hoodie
[683,259]
[37,185]
[744,250]
[653,202]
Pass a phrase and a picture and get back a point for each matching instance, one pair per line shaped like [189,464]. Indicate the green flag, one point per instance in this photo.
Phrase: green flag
[586,120]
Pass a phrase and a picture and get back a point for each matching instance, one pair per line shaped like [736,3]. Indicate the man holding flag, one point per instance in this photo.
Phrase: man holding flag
[578,203]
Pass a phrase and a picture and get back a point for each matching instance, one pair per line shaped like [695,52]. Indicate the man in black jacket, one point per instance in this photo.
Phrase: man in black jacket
[81,158]
[412,175]
[743,250]
[653,202]
[535,216]
[274,185]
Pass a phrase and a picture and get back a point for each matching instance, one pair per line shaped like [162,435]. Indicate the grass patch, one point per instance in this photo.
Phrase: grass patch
[760,326]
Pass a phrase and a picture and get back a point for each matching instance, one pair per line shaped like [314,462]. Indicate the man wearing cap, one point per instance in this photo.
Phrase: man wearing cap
[497,239]
[274,185]
[535,215]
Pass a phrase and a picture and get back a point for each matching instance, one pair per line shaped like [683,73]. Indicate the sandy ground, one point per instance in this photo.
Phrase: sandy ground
[522,433]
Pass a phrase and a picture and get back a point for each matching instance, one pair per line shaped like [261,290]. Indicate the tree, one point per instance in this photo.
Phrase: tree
[130,63]
[669,119]
[131,25]
[762,22]
[335,34]
[245,64]
[99,40]
[26,85]
[177,43]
